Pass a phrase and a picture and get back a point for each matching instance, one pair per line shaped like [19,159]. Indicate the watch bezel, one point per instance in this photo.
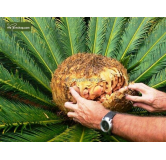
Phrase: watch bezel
[108,120]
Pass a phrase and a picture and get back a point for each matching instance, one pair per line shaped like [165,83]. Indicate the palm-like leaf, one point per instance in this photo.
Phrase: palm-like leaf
[19,57]
[157,37]
[72,35]
[37,134]
[35,45]
[158,80]
[114,30]
[96,30]
[153,63]
[77,133]
[107,138]
[2,22]
[17,114]
[134,35]
[10,82]
[47,29]
[3,60]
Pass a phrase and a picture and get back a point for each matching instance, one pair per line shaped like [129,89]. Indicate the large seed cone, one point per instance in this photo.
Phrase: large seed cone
[94,77]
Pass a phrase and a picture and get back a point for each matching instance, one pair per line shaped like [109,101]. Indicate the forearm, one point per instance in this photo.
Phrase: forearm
[136,128]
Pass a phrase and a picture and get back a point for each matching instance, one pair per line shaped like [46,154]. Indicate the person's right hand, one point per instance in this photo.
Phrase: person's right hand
[87,112]
[152,100]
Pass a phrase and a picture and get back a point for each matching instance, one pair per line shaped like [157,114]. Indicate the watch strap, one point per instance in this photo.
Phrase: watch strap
[110,114]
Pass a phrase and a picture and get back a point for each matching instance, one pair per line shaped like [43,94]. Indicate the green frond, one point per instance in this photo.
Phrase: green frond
[72,34]
[38,50]
[111,138]
[10,82]
[36,134]
[82,34]
[157,37]
[126,61]
[3,60]
[158,80]
[96,34]
[7,63]
[152,64]
[143,112]
[46,28]
[14,114]
[18,56]
[2,22]
[138,28]
[114,30]
[77,133]
[36,46]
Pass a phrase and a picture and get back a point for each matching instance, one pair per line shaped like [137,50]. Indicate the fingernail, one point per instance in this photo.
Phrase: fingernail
[125,87]
[126,94]
[65,104]
[135,105]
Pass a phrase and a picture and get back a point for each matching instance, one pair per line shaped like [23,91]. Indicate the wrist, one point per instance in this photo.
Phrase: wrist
[163,101]
[160,101]
[116,122]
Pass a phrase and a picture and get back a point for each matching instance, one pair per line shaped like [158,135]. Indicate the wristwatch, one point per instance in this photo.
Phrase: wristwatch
[106,122]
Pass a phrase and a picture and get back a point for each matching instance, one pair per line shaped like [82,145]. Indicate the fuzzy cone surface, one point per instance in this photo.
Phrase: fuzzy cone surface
[94,77]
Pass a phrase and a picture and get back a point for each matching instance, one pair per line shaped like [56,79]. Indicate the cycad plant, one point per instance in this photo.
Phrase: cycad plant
[28,60]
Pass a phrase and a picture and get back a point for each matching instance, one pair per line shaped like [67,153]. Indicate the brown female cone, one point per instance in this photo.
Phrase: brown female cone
[94,77]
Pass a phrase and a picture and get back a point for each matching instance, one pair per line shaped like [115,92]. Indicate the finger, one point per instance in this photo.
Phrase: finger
[76,89]
[144,85]
[72,114]
[75,94]
[144,106]
[123,89]
[70,106]
[71,102]
[75,119]
[138,87]
[135,98]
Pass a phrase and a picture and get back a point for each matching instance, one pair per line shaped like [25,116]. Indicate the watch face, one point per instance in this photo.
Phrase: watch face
[105,125]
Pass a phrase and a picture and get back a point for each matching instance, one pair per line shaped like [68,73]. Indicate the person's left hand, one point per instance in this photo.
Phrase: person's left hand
[87,112]
[152,100]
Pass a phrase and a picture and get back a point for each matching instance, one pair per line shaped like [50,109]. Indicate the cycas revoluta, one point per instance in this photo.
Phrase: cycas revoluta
[29,59]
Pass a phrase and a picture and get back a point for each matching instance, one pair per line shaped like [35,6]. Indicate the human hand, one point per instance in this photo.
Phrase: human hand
[87,112]
[152,100]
